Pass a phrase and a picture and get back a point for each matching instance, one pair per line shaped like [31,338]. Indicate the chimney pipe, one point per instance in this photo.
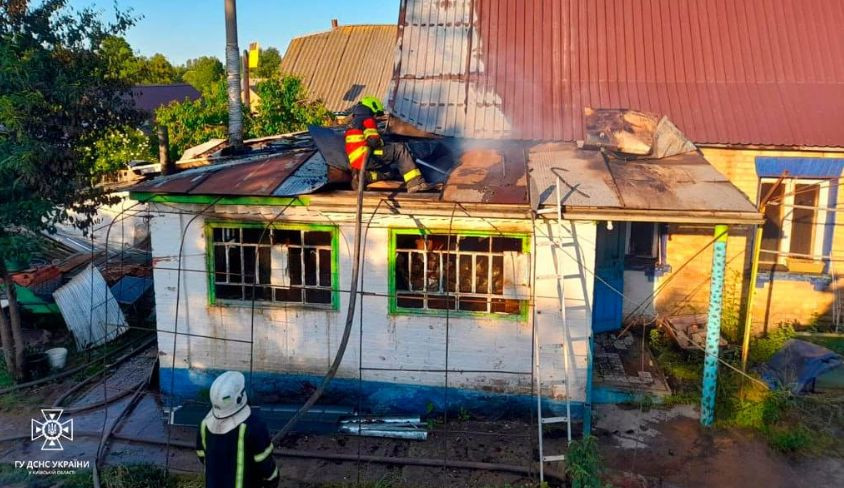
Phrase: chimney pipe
[167,166]
[334,23]
[233,77]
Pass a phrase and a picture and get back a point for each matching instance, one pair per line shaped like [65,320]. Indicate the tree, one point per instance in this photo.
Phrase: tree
[58,96]
[269,63]
[158,71]
[193,122]
[204,72]
[123,64]
[284,107]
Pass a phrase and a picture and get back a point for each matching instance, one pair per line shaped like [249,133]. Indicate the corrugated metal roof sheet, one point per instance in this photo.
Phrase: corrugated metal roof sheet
[686,182]
[90,309]
[747,72]
[344,64]
[257,175]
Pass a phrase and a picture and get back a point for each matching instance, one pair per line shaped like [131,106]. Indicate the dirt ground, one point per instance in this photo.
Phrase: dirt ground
[669,448]
[652,448]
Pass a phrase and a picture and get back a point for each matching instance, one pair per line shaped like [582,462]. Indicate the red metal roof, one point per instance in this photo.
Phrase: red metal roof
[767,72]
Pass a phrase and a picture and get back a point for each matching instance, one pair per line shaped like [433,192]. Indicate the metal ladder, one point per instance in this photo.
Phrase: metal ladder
[556,243]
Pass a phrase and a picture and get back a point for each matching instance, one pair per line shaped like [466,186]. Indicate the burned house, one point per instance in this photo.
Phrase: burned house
[552,224]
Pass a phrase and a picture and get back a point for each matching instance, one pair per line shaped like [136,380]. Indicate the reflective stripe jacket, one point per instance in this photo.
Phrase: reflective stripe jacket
[362,135]
[240,458]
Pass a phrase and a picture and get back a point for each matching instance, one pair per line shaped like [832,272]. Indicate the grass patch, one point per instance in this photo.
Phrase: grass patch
[806,424]
[583,463]
[126,476]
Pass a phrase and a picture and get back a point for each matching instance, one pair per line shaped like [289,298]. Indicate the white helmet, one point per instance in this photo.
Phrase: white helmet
[228,394]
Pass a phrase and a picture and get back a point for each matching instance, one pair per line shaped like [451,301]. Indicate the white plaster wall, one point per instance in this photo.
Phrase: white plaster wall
[304,340]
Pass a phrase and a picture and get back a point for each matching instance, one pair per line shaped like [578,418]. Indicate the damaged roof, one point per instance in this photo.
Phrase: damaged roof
[681,188]
[750,72]
[344,64]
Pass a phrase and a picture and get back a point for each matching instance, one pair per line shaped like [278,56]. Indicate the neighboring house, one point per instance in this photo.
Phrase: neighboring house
[148,98]
[344,64]
[759,88]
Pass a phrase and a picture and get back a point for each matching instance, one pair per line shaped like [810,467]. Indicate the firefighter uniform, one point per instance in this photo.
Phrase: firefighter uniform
[389,161]
[233,442]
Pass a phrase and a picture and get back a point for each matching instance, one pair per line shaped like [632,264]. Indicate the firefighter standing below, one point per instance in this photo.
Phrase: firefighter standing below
[387,161]
[232,442]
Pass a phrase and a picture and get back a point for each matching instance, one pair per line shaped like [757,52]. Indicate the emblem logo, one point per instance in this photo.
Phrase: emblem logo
[52,429]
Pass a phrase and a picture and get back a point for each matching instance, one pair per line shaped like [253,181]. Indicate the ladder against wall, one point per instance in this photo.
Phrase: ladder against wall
[562,332]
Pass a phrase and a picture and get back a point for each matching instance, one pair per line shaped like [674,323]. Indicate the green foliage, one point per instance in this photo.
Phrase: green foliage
[204,73]
[193,122]
[117,147]
[583,463]
[56,98]
[269,63]
[284,107]
[731,320]
[157,70]
[763,348]
[124,64]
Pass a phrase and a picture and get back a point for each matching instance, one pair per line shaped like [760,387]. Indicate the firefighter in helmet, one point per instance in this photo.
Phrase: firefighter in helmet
[232,442]
[387,161]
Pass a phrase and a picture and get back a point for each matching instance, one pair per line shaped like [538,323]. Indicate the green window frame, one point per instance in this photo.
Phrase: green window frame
[430,285]
[285,264]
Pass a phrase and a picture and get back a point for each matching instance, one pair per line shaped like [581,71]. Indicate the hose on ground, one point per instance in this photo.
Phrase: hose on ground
[350,315]
[328,456]
[70,391]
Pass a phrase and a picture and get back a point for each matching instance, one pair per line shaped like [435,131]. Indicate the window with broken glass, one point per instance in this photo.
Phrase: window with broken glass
[796,226]
[282,265]
[438,272]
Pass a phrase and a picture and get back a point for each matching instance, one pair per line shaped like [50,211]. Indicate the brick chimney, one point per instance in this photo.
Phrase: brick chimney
[334,23]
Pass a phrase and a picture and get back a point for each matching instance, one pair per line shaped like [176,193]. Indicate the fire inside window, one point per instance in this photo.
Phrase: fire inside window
[276,265]
[438,272]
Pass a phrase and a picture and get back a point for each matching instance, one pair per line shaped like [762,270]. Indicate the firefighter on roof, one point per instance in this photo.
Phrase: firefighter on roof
[232,442]
[388,161]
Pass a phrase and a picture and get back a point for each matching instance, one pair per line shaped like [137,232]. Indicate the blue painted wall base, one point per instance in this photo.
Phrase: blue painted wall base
[369,397]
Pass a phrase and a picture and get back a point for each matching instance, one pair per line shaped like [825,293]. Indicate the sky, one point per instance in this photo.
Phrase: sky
[185,29]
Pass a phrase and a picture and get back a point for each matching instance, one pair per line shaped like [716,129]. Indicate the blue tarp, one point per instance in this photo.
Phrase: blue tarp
[797,364]
[130,288]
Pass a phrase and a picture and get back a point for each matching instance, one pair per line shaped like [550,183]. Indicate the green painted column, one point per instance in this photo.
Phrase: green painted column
[713,326]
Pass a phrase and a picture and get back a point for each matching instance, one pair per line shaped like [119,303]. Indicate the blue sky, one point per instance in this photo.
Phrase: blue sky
[184,29]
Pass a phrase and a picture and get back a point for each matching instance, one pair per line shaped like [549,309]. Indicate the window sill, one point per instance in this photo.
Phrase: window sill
[459,314]
[273,305]
[650,266]
[820,281]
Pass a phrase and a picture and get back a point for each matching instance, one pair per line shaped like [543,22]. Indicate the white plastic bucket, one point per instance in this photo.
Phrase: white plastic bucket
[57,357]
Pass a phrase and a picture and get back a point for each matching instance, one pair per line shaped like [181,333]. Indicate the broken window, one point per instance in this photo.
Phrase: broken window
[285,265]
[795,227]
[486,274]
[642,241]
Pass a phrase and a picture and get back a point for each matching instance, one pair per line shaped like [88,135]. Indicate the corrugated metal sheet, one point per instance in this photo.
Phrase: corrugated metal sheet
[686,182]
[344,64]
[489,175]
[90,309]
[747,72]
[257,175]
